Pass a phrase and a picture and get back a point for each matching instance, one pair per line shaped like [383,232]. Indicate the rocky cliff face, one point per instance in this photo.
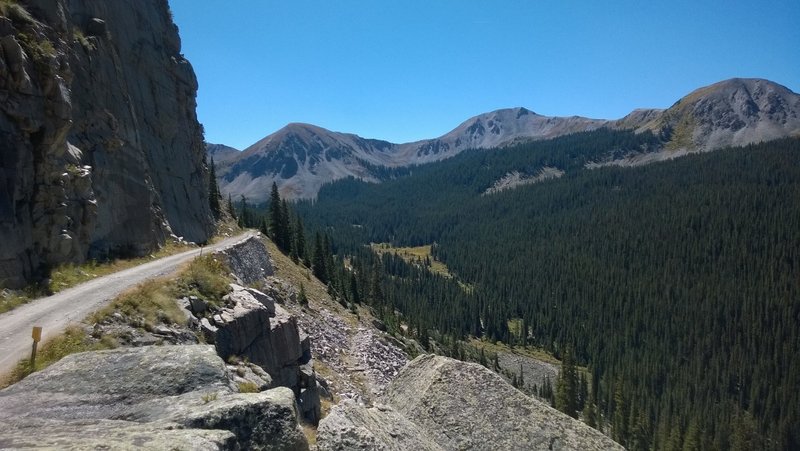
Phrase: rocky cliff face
[101,149]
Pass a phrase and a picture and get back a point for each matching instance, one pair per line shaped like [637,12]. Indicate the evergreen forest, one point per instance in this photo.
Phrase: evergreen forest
[677,284]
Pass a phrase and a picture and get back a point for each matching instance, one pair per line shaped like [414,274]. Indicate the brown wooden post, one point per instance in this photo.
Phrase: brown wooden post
[37,337]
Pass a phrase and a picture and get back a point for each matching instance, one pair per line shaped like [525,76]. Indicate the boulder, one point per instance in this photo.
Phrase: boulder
[286,346]
[248,260]
[251,373]
[242,327]
[101,384]
[458,406]
[157,395]
[209,330]
[352,426]
[310,405]
[253,327]
[248,296]
[260,421]
[197,305]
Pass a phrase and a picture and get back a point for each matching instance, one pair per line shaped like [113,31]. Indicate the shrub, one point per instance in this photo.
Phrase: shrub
[152,300]
[16,12]
[205,277]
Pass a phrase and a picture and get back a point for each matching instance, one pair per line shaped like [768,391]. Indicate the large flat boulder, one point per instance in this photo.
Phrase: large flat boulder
[146,397]
[103,384]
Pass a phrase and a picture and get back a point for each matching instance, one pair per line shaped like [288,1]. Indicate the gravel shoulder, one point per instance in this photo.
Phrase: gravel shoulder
[55,313]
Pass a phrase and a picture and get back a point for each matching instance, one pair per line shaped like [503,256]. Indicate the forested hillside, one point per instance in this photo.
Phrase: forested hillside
[675,283]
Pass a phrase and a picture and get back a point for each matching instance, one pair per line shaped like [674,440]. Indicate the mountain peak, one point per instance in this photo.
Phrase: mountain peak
[732,112]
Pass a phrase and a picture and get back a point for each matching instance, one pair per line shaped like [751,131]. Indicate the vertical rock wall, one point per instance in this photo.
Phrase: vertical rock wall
[100,149]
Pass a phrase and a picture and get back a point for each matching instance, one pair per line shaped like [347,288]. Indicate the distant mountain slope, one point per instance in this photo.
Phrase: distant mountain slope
[221,152]
[302,157]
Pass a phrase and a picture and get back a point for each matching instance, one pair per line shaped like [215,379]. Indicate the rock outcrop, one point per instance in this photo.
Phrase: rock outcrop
[441,404]
[253,327]
[248,260]
[180,396]
[101,151]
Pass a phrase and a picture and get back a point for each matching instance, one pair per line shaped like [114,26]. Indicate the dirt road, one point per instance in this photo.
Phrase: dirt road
[55,312]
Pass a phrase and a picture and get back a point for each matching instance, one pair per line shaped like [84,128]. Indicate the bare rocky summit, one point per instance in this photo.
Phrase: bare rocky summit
[101,149]
[438,403]
[733,112]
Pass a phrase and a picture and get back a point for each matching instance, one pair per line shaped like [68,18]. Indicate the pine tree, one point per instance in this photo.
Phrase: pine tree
[264,228]
[275,215]
[354,292]
[300,242]
[567,386]
[287,238]
[620,421]
[482,359]
[583,391]
[244,213]
[231,210]
[319,267]
[213,192]
[590,412]
[376,291]
[303,298]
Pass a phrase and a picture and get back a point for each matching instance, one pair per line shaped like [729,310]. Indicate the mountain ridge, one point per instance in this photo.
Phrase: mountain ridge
[301,157]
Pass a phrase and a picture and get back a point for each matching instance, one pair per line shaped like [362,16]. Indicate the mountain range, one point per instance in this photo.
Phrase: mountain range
[303,157]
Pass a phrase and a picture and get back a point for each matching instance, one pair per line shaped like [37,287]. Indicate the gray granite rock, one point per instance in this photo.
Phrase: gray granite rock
[248,260]
[154,395]
[457,406]
[111,434]
[351,426]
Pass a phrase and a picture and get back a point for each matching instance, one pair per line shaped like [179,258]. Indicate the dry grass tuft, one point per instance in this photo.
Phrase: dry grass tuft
[72,341]
[248,387]
[153,301]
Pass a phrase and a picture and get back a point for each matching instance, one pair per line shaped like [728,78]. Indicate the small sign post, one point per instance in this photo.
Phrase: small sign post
[37,337]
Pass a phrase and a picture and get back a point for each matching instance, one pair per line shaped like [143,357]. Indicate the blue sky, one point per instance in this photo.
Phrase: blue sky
[414,69]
